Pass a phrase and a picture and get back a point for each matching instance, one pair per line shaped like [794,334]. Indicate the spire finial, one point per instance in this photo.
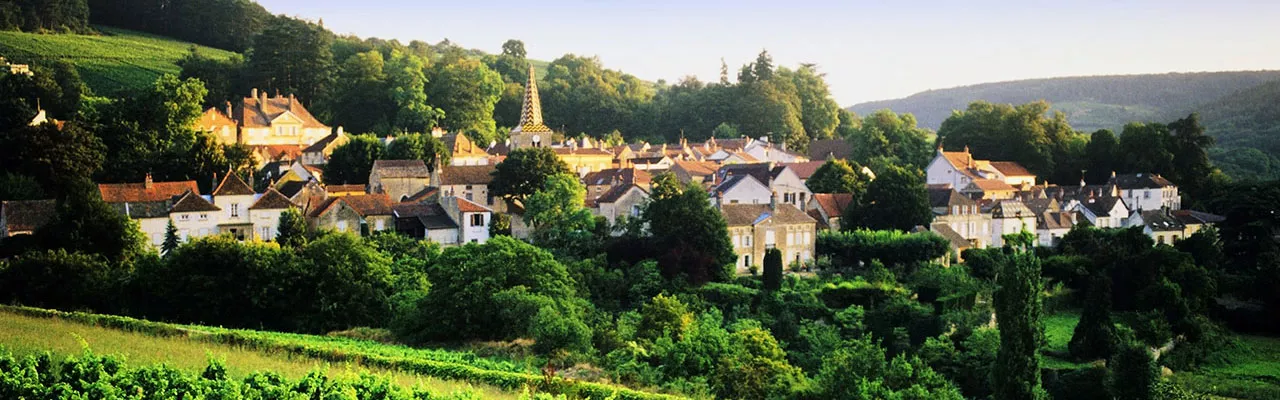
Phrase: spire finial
[531,111]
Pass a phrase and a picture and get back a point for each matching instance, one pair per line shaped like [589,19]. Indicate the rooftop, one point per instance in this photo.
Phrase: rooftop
[401,169]
[752,214]
[466,174]
[145,191]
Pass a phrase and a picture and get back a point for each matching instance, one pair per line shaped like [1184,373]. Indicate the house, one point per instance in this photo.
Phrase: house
[462,151]
[1102,211]
[265,212]
[1160,225]
[451,221]
[961,215]
[694,171]
[398,179]
[651,161]
[470,182]
[1194,221]
[805,169]
[763,151]
[23,217]
[830,149]
[776,177]
[260,120]
[233,196]
[584,160]
[1009,217]
[318,153]
[193,216]
[601,181]
[359,214]
[740,189]
[1147,191]
[828,208]
[622,200]
[1052,226]
[959,169]
[147,202]
[989,189]
[754,228]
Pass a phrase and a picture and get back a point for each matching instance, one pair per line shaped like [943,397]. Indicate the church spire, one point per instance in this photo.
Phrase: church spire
[531,111]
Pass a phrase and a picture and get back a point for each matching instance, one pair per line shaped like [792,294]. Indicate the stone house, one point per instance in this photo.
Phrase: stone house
[260,120]
[961,215]
[1010,217]
[234,197]
[318,153]
[754,228]
[828,208]
[360,214]
[618,201]
[601,181]
[470,182]
[398,179]
[451,221]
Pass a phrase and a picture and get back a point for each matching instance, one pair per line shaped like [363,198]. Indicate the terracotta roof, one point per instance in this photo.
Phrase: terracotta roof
[273,152]
[461,146]
[612,176]
[822,149]
[368,204]
[272,200]
[467,174]
[255,113]
[214,119]
[1140,181]
[427,194]
[28,215]
[401,169]
[992,185]
[318,209]
[817,216]
[696,168]
[616,192]
[141,192]
[232,185]
[752,214]
[961,160]
[833,204]
[192,202]
[499,149]
[805,169]
[344,188]
[1010,168]
[465,205]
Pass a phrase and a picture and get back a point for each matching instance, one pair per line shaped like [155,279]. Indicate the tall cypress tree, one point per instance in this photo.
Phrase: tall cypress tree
[1095,336]
[170,238]
[1018,309]
[773,269]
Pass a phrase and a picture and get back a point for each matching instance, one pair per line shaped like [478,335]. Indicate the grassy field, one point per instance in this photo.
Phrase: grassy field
[109,63]
[27,335]
[1252,373]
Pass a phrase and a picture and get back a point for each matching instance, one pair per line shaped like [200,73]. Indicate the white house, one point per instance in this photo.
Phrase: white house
[959,169]
[1147,191]
[264,214]
[472,219]
[1010,217]
[234,197]
[194,216]
[732,187]
[1102,212]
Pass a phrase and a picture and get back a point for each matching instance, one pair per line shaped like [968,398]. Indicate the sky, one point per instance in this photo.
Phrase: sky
[869,50]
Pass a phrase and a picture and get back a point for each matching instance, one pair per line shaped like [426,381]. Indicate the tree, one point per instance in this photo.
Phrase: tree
[885,135]
[224,78]
[773,269]
[758,369]
[557,214]
[1146,148]
[351,162]
[418,146]
[819,113]
[292,56]
[292,230]
[1095,336]
[1025,133]
[151,132]
[171,240]
[1189,146]
[59,279]
[466,91]
[86,224]
[581,95]
[524,171]
[514,48]
[772,108]
[1133,374]
[53,156]
[838,176]
[1102,156]
[896,199]
[350,282]
[360,99]
[407,80]
[692,235]
[1018,309]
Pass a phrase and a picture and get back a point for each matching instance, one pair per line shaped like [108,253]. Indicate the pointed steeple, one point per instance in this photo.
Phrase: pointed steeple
[531,111]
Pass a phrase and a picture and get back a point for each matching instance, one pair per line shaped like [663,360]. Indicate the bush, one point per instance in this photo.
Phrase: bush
[773,269]
[853,249]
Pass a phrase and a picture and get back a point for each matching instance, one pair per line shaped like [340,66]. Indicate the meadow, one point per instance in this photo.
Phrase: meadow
[112,62]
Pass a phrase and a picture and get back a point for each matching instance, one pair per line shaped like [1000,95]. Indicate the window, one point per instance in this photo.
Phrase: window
[477,219]
[635,210]
[737,241]
[746,260]
[185,217]
[266,233]
[955,210]
[1146,194]
[235,209]
[342,226]
[748,238]
[1160,239]
[791,238]
[807,238]
[378,225]
[204,217]
[769,240]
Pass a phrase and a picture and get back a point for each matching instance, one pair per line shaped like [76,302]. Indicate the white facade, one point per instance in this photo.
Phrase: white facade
[196,224]
[940,171]
[747,190]
[1152,198]
[1010,225]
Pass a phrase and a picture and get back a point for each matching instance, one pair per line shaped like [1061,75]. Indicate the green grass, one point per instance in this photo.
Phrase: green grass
[116,60]
[25,335]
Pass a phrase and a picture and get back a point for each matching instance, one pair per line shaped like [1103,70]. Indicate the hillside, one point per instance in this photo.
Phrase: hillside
[1247,127]
[109,63]
[1090,103]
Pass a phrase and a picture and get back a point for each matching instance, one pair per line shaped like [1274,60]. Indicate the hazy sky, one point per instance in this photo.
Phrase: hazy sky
[870,50]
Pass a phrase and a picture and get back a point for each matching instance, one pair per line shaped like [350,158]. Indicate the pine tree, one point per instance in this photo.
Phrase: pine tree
[1095,336]
[170,238]
[292,231]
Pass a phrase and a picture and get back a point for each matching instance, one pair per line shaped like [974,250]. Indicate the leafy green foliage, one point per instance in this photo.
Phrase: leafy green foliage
[292,228]
[838,176]
[352,161]
[896,199]
[857,248]
[292,56]
[418,146]
[1133,374]
[692,235]
[1045,145]
[885,135]
[559,219]
[525,171]
[466,90]
[1018,310]
[58,279]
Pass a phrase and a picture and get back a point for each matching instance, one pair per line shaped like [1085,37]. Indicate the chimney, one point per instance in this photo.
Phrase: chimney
[254,93]
[719,198]
[229,110]
[147,183]
[290,101]
[773,201]
[1113,174]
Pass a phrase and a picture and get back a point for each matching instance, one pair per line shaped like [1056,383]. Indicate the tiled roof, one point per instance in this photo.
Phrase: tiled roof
[344,188]
[752,214]
[1140,181]
[368,204]
[232,185]
[833,204]
[1192,217]
[214,119]
[28,215]
[1010,209]
[1057,220]
[465,205]
[616,192]
[277,151]
[271,200]
[961,160]
[319,145]
[146,209]
[992,185]
[817,216]
[805,169]
[612,176]
[140,192]
[460,145]
[939,198]
[1010,168]
[694,169]
[944,230]
[290,188]
[763,172]
[319,208]
[531,108]
[432,216]
[1160,221]
[401,169]
[192,202]
[821,149]
[255,113]
[581,151]
[427,194]
[467,174]
[1101,206]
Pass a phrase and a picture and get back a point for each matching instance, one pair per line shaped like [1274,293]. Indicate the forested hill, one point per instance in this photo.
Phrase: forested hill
[1247,127]
[1091,103]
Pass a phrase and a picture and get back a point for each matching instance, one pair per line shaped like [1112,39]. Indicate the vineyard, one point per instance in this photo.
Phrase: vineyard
[444,371]
[115,61]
